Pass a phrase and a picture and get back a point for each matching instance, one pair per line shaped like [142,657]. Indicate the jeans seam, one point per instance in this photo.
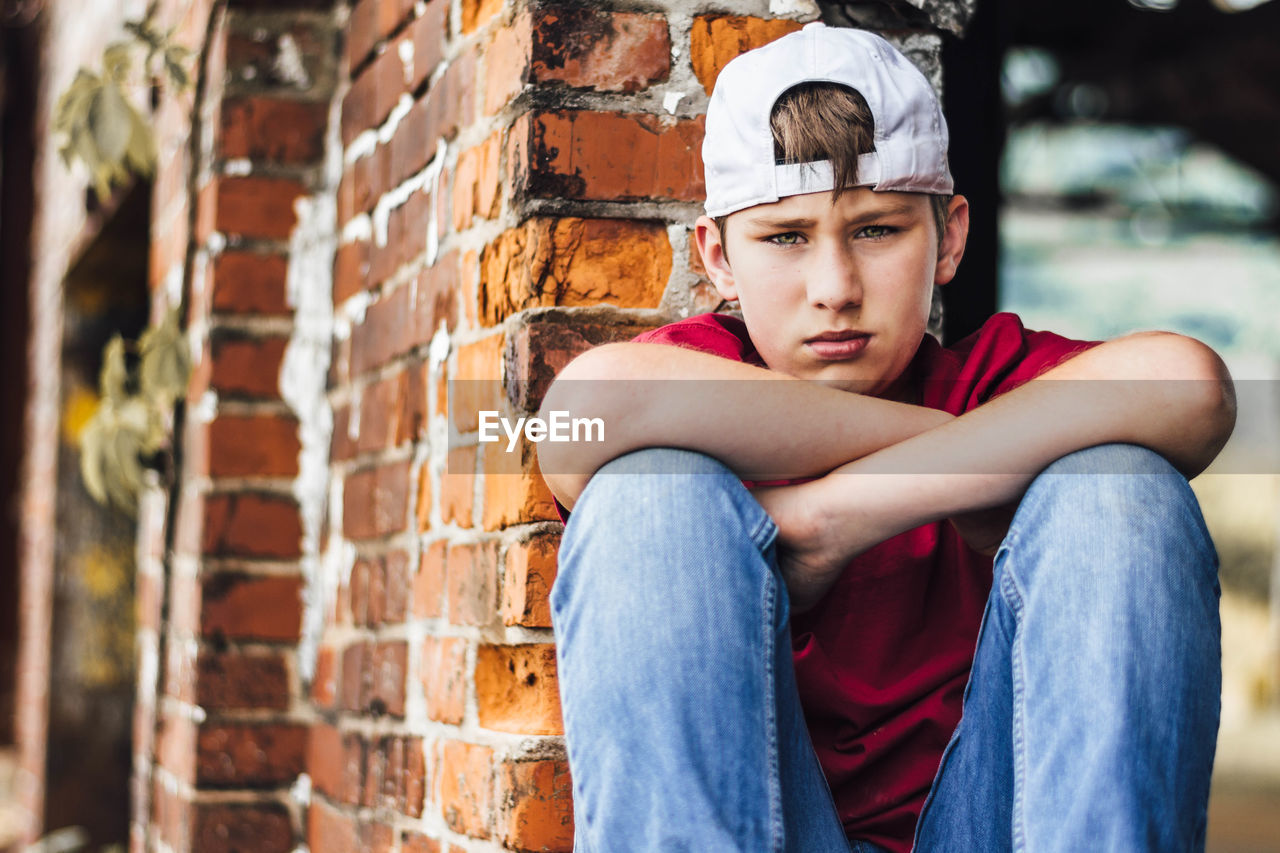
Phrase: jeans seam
[1013,597]
[777,837]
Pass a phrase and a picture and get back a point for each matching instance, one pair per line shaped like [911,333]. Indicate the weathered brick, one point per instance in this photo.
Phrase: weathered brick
[444,678]
[262,827]
[471,573]
[416,842]
[609,156]
[250,283]
[375,501]
[429,582]
[357,677]
[514,491]
[246,524]
[538,806]
[475,13]
[507,71]
[250,755]
[253,446]
[476,183]
[331,831]
[261,57]
[389,663]
[716,39]
[359,587]
[275,130]
[176,746]
[415,777]
[254,206]
[436,297]
[396,607]
[242,681]
[240,607]
[602,50]
[428,33]
[385,333]
[423,509]
[477,382]
[466,795]
[324,682]
[517,690]
[569,261]
[526,583]
[246,367]
[350,270]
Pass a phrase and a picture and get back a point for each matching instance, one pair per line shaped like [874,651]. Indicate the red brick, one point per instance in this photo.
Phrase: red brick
[324,683]
[415,777]
[250,283]
[436,297]
[385,333]
[716,39]
[477,382]
[360,591]
[273,129]
[257,207]
[250,756]
[466,795]
[472,577]
[176,746]
[428,583]
[567,261]
[375,501]
[361,32]
[458,487]
[253,446]
[606,51]
[396,608]
[354,750]
[326,760]
[416,842]
[538,806]
[242,681]
[517,690]
[331,831]
[226,828]
[357,676]
[507,72]
[605,156]
[444,678]
[375,767]
[252,525]
[246,367]
[542,347]
[350,270]
[526,584]
[251,608]
[390,663]
[428,33]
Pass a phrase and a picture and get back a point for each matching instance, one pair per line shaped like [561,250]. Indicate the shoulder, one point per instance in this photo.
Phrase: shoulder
[719,334]
[998,357]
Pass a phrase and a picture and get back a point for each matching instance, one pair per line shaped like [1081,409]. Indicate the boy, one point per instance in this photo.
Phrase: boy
[765,630]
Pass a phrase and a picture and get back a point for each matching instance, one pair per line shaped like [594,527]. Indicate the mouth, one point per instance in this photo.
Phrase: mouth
[836,346]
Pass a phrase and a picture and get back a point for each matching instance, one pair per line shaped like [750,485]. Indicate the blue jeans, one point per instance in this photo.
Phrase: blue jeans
[1090,715]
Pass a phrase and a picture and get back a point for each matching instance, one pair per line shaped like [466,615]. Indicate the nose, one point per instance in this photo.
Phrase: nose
[833,278]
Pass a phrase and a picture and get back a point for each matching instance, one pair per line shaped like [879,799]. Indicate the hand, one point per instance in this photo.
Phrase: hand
[810,555]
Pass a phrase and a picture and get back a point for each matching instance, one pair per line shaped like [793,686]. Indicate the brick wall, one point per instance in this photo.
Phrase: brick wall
[392,216]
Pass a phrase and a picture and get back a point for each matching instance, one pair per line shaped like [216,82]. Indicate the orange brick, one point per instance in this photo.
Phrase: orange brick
[471,577]
[458,487]
[606,51]
[609,156]
[538,806]
[476,183]
[254,206]
[324,684]
[428,583]
[508,56]
[424,498]
[466,795]
[526,584]
[444,678]
[517,690]
[514,491]
[716,39]
[476,12]
[570,261]
[477,381]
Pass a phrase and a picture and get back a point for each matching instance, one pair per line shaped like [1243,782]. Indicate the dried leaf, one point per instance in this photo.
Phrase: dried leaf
[114,374]
[116,60]
[166,361]
[111,120]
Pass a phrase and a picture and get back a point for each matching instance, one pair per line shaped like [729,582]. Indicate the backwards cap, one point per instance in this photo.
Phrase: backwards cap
[910,133]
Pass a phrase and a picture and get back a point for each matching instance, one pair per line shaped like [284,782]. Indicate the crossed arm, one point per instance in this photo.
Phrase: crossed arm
[882,467]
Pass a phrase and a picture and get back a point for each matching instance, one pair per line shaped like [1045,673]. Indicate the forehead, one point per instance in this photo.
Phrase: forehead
[857,203]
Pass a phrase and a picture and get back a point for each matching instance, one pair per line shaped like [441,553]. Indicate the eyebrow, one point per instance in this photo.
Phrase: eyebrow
[869,216]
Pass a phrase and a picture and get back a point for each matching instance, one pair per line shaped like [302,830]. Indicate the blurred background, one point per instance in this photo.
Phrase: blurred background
[1123,162]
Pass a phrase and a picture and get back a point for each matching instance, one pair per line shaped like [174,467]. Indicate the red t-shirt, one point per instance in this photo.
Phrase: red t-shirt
[883,659]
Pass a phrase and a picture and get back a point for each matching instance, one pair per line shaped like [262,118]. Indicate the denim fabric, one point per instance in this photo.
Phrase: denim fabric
[1089,718]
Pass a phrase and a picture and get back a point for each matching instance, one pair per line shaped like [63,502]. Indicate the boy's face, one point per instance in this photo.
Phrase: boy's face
[802,268]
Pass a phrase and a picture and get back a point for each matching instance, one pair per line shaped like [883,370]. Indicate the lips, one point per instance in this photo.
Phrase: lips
[838,346]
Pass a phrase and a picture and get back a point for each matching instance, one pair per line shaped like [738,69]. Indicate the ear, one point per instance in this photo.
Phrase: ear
[711,246]
[951,248]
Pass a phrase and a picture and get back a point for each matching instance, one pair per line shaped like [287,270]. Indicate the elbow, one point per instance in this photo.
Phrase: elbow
[1201,383]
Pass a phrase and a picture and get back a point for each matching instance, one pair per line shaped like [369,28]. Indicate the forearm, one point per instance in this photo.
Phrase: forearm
[1167,396]
[763,424]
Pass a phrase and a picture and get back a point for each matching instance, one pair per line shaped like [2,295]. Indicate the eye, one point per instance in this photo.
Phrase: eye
[791,238]
[878,232]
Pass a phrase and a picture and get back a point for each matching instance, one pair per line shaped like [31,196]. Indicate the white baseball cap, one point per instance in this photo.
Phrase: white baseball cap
[910,133]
